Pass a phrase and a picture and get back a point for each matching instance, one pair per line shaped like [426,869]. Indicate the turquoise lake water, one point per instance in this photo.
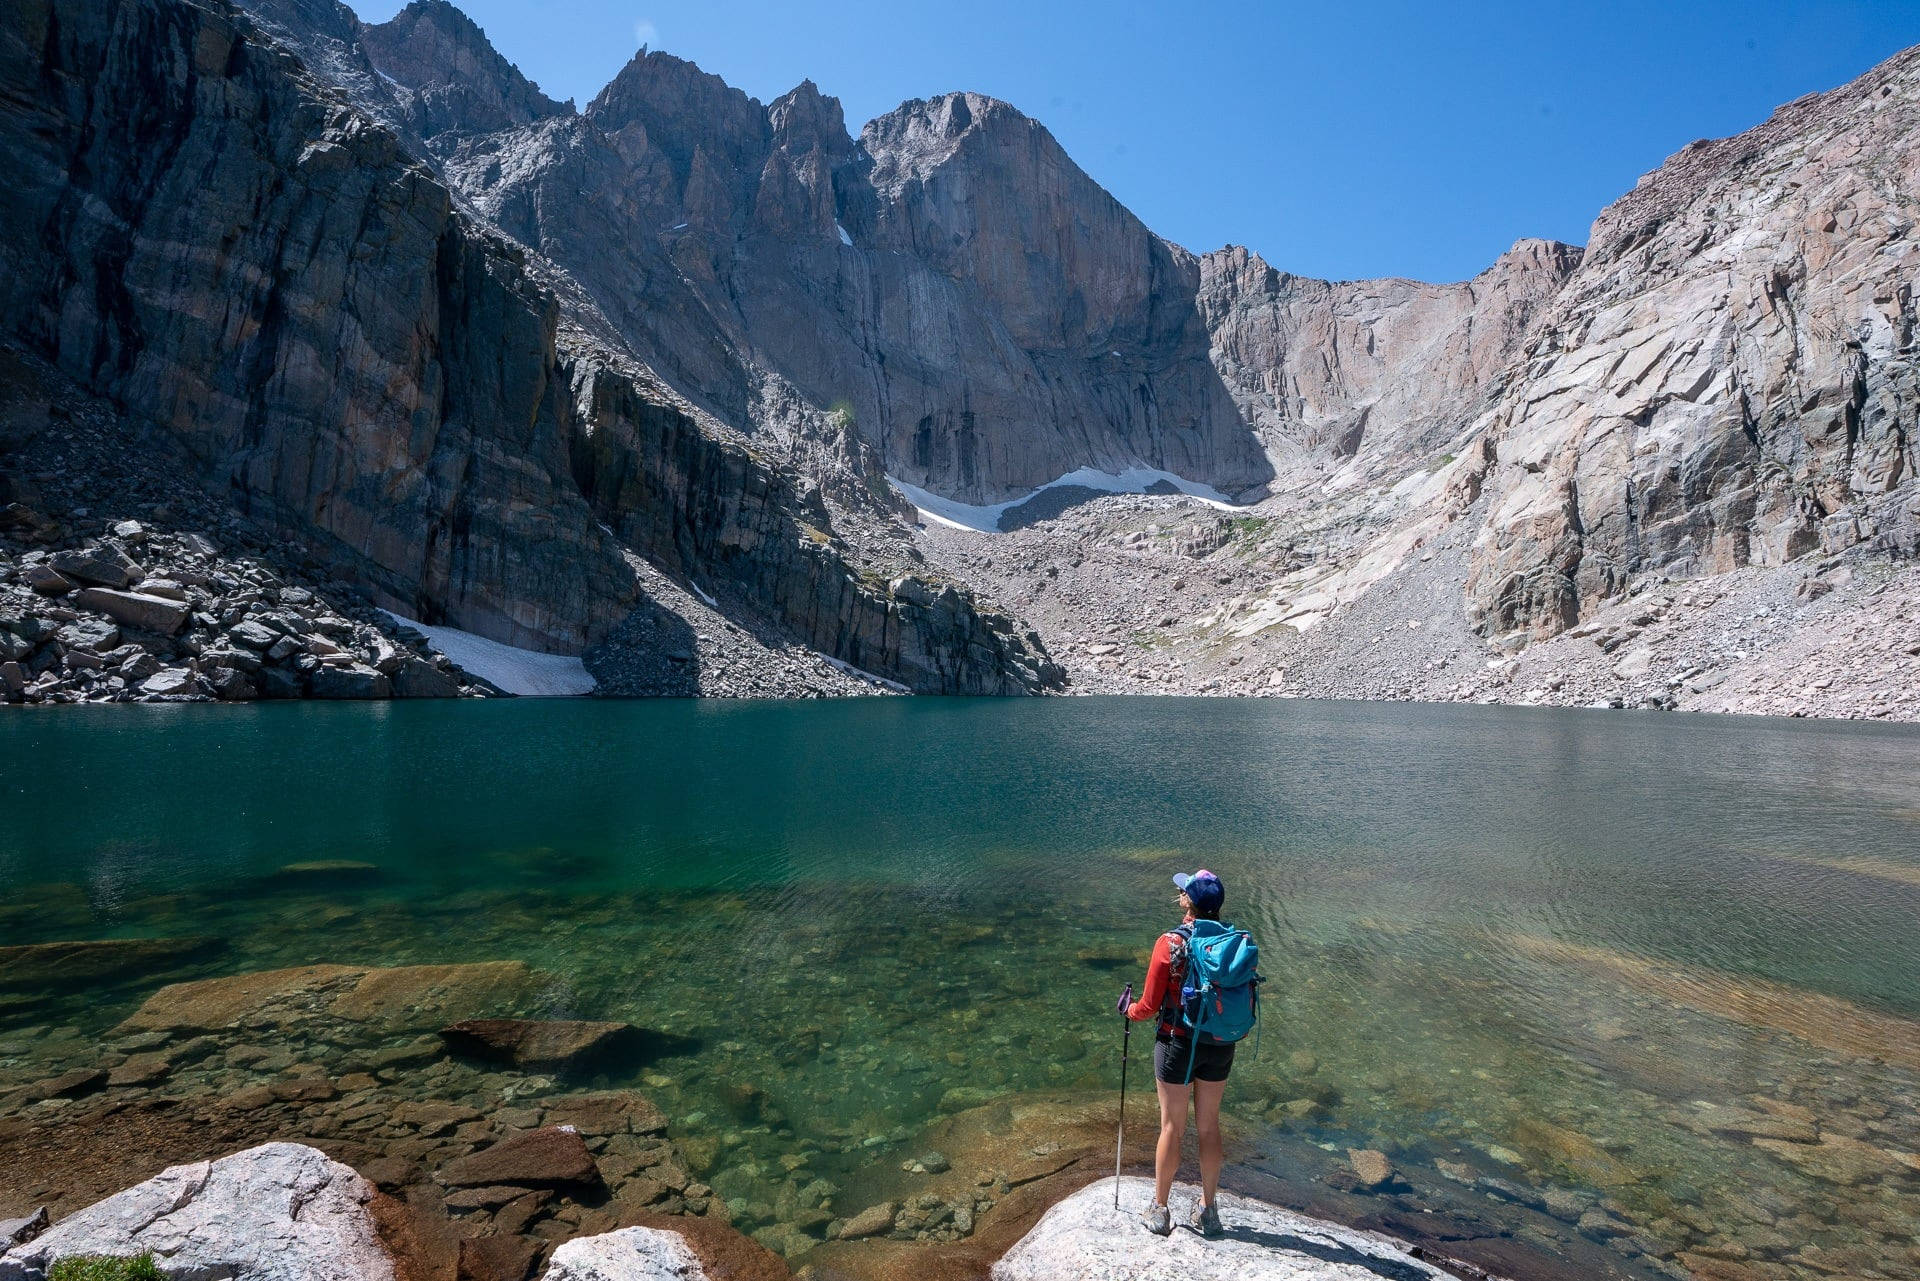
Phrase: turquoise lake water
[1540,946]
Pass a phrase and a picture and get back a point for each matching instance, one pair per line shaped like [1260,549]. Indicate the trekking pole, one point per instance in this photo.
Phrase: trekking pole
[1126,1041]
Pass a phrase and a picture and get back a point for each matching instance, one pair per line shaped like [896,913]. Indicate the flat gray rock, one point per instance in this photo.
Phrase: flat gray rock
[278,1212]
[1085,1238]
[631,1254]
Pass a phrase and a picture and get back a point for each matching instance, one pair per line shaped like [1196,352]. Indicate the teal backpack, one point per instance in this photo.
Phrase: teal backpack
[1220,997]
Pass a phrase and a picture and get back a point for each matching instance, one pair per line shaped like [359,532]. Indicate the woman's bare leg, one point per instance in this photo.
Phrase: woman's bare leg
[1173,1128]
[1206,1118]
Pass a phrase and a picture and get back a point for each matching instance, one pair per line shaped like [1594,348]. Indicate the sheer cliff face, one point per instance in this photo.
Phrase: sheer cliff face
[1730,377]
[988,315]
[196,229]
[1381,367]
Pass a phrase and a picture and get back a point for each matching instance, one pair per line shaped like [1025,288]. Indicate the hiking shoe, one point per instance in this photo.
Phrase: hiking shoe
[1158,1220]
[1206,1221]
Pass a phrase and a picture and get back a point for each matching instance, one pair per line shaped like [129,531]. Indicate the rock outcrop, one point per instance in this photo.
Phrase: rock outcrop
[1325,370]
[631,1254]
[383,377]
[987,315]
[278,1212]
[1730,377]
[1084,1236]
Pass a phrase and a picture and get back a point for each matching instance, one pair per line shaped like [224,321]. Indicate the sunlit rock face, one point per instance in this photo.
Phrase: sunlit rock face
[1728,379]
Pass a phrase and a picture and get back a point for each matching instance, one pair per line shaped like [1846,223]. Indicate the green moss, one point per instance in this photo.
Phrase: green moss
[97,1267]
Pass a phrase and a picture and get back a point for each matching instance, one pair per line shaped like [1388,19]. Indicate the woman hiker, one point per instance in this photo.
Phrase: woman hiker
[1180,1068]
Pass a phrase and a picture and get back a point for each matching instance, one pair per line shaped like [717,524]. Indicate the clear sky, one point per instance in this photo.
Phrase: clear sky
[1335,139]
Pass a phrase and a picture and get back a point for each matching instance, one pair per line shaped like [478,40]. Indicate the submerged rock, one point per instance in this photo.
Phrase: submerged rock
[331,871]
[1086,1238]
[404,998]
[540,1158]
[278,1212]
[552,1044]
[35,965]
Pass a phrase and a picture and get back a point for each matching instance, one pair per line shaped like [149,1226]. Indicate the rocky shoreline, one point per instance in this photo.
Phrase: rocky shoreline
[286,1212]
[419,1134]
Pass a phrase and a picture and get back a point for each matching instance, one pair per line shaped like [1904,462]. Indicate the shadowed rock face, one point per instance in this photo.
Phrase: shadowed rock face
[1729,378]
[268,274]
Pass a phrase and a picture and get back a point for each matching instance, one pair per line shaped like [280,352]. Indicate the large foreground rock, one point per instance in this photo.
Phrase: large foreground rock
[278,1212]
[1085,1238]
[631,1254]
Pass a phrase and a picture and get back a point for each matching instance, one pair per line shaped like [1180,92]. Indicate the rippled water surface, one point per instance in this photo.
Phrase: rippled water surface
[1636,983]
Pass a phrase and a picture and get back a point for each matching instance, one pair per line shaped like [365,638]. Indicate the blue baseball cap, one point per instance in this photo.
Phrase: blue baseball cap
[1202,888]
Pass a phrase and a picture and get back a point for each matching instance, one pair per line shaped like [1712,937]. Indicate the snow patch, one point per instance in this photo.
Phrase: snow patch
[861,675]
[711,602]
[985,519]
[526,672]
[845,239]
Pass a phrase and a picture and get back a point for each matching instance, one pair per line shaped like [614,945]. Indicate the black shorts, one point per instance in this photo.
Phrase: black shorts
[1173,1055]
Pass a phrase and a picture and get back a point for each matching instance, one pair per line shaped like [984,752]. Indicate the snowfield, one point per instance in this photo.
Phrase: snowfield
[526,672]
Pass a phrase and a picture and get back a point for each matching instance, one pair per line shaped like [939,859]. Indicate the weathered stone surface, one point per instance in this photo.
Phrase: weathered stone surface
[607,1112]
[405,998]
[105,566]
[539,1158]
[353,682]
[417,678]
[279,1212]
[630,1254]
[23,1229]
[133,609]
[253,635]
[1084,1237]
[1688,407]
[70,1085]
[1841,1160]
[535,1043]
[1371,1168]
[46,580]
[34,965]
[168,682]
[871,1221]
[496,1258]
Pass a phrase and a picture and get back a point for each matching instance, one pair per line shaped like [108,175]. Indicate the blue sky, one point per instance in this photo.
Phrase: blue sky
[1335,139]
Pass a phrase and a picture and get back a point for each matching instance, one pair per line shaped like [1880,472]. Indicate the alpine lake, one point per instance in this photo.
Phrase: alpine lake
[1615,994]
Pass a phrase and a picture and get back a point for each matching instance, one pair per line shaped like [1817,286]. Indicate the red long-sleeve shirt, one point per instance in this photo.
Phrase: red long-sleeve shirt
[1161,979]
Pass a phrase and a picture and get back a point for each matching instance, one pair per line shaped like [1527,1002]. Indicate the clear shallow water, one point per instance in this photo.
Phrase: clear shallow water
[1532,944]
